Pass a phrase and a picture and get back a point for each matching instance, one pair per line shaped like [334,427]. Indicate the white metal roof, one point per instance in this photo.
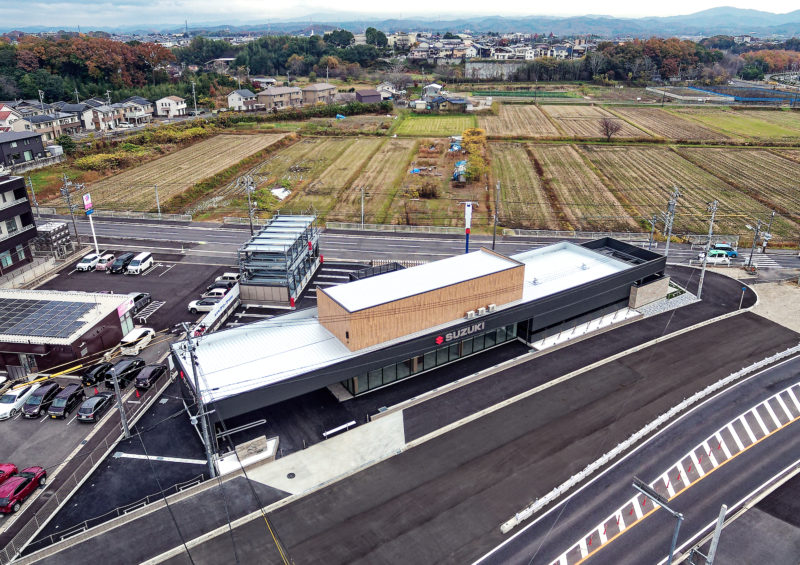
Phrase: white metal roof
[396,285]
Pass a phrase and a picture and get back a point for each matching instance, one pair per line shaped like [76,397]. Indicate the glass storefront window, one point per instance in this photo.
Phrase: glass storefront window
[490,338]
[477,343]
[429,361]
[375,378]
[454,352]
[404,369]
[442,355]
[390,373]
[466,346]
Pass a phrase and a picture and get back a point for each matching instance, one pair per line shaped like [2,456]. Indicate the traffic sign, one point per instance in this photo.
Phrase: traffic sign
[87,201]
[90,211]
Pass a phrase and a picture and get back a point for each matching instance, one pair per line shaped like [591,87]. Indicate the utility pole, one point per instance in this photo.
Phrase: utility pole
[77,97]
[108,97]
[33,197]
[201,413]
[669,217]
[712,551]
[158,202]
[769,232]
[496,200]
[120,407]
[362,208]
[66,193]
[656,498]
[713,209]
[194,99]
[41,99]
[652,231]
[249,188]
[757,230]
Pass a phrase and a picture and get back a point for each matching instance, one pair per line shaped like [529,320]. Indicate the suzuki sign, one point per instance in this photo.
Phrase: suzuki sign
[458,334]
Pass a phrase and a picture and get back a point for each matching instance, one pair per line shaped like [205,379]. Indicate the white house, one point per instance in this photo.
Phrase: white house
[241,100]
[171,106]
[431,91]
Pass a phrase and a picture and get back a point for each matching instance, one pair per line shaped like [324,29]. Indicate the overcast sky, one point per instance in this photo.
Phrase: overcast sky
[160,13]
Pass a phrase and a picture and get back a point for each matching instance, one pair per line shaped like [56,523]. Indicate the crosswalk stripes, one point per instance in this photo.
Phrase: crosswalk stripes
[764,262]
[778,410]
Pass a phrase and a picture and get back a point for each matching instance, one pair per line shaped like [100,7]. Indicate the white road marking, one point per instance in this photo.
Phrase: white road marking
[794,398]
[760,421]
[158,458]
[73,419]
[747,428]
[736,439]
[166,270]
[668,482]
[582,546]
[700,470]
[785,408]
[637,509]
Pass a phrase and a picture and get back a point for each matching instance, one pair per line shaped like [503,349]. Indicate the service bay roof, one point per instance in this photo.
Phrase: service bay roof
[397,285]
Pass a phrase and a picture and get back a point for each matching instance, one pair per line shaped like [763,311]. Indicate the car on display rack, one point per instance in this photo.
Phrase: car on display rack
[136,340]
[88,263]
[149,375]
[220,284]
[120,263]
[19,487]
[203,305]
[140,300]
[95,406]
[104,262]
[67,399]
[95,374]
[6,471]
[126,370]
[727,248]
[215,293]
[40,400]
[13,400]
[228,277]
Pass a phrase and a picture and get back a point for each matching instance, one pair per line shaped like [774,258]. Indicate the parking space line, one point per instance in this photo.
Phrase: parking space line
[166,270]
[73,419]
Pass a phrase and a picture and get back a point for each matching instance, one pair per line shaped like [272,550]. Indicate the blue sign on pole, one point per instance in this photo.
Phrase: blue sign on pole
[89,211]
[744,288]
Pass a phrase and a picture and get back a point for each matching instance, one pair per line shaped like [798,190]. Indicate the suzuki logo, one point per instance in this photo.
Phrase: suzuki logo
[463,332]
[439,340]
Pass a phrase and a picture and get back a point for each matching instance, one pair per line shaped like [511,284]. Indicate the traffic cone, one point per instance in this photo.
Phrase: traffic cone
[137,393]
[96,391]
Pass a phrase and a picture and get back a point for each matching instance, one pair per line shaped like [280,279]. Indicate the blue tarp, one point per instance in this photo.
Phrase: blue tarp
[339,117]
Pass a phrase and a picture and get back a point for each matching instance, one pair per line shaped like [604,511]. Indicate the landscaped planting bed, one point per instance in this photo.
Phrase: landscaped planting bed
[518,120]
[435,125]
[175,173]
[668,125]
[584,121]
[523,200]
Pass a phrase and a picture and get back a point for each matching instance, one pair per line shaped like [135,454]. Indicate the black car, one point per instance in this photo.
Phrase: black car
[126,369]
[40,400]
[149,375]
[140,300]
[67,399]
[95,374]
[121,263]
[95,406]
[221,284]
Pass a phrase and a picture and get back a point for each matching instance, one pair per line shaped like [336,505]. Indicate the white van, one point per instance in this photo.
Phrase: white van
[232,277]
[140,263]
[136,340]
[215,293]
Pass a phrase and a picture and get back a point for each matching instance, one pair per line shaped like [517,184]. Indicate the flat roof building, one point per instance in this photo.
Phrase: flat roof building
[376,331]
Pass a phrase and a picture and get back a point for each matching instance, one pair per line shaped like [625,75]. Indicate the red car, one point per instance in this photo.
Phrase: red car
[15,490]
[6,470]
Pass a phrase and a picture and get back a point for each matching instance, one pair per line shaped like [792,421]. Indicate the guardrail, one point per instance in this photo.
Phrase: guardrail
[394,228]
[65,487]
[124,214]
[622,447]
[238,221]
[567,234]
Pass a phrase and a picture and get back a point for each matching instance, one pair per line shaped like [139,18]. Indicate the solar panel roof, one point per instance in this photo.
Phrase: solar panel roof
[41,318]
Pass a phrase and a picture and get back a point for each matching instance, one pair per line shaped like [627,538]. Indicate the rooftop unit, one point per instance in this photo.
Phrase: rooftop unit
[278,261]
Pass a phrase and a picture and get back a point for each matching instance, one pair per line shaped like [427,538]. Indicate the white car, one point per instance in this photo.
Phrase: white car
[11,402]
[125,125]
[136,340]
[203,305]
[88,263]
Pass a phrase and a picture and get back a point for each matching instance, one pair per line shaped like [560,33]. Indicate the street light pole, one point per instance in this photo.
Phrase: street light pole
[65,192]
[33,197]
[248,188]
[201,413]
[194,98]
[496,203]
[158,203]
[669,217]
[120,407]
[362,208]
[656,498]
[713,209]
[755,239]
[652,231]
[769,231]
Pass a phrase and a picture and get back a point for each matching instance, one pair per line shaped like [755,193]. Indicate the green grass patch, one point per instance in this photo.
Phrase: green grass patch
[436,125]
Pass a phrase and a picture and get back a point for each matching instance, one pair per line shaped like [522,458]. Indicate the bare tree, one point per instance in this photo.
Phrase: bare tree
[609,127]
[596,62]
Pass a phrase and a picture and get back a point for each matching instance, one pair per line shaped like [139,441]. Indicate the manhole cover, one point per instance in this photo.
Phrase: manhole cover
[290,476]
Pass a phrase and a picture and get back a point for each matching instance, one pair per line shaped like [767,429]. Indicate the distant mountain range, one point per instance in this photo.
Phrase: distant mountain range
[716,21]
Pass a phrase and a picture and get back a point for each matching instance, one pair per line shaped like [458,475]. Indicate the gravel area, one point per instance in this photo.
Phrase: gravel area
[667,304]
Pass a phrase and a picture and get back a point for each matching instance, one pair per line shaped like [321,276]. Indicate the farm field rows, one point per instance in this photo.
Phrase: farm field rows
[762,174]
[435,125]
[380,178]
[664,124]
[523,200]
[646,176]
[175,173]
[584,121]
[517,120]
[742,124]
[322,193]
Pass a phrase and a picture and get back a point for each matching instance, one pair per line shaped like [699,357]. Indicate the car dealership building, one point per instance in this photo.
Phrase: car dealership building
[379,330]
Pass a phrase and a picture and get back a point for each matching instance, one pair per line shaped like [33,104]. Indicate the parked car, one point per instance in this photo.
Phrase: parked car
[202,305]
[215,293]
[126,370]
[125,125]
[7,382]
[95,406]
[40,400]
[727,248]
[6,471]
[715,257]
[19,487]
[136,340]
[228,277]
[148,375]
[67,399]
[12,401]
[88,262]
[120,263]
[140,264]
[220,284]
[140,300]
[104,262]
[95,374]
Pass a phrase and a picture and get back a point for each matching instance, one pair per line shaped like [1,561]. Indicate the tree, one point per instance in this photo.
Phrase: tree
[296,64]
[610,127]
[66,143]
[339,38]
[376,37]
[448,35]
[596,61]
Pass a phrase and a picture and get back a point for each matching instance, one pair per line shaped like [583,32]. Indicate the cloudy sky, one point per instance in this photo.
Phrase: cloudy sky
[160,13]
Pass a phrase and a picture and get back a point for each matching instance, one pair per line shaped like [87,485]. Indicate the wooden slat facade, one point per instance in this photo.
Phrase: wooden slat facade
[391,320]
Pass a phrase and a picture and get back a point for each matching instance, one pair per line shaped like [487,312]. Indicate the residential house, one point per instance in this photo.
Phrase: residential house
[242,100]
[20,147]
[277,97]
[431,91]
[220,65]
[446,104]
[368,96]
[51,126]
[388,91]
[137,110]
[17,227]
[359,39]
[263,82]
[8,116]
[470,52]
[503,54]
[29,107]
[171,106]
[319,93]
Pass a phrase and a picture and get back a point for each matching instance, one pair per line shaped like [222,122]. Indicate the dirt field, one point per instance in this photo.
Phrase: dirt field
[523,200]
[751,124]
[584,121]
[434,125]
[361,124]
[664,124]
[517,120]
[133,189]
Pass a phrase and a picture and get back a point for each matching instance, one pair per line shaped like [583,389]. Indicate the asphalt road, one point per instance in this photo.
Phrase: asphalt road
[547,536]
